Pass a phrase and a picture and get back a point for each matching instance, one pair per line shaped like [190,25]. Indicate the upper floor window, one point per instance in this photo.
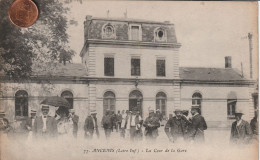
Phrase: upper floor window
[135,32]
[160,67]
[135,67]
[108,31]
[21,103]
[109,66]
[160,35]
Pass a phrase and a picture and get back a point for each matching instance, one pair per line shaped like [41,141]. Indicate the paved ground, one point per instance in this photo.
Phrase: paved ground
[216,147]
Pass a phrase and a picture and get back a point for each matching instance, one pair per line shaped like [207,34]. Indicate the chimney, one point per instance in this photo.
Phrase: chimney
[88,17]
[228,63]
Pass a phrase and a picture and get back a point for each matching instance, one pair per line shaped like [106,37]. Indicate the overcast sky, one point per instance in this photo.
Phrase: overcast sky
[208,31]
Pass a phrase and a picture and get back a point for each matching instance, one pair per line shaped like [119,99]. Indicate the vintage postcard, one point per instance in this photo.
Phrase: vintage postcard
[128,80]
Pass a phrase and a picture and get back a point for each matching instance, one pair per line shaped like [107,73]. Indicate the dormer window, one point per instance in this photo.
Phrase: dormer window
[108,31]
[160,35]
[135,32]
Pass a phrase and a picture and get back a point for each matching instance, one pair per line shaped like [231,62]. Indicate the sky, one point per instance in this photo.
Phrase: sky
[208,31]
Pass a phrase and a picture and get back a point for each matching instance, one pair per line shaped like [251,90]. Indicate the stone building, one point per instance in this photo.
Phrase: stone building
[130,63]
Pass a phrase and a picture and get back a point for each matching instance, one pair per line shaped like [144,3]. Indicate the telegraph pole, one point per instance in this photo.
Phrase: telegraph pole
[250,35]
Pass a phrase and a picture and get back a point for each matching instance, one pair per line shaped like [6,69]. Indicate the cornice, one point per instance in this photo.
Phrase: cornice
[133,43]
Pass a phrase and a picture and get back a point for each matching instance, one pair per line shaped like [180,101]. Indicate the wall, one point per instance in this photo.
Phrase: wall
[38,91]
[214,101]
[122,61]
[122,91]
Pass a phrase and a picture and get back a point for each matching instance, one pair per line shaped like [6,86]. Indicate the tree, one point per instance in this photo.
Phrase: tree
[45,41]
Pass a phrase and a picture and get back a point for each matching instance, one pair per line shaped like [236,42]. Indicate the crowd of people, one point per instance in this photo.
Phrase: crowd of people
[179,128]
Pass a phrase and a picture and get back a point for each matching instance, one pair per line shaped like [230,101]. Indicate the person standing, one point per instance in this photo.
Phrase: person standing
[151,124]
[29,123]
[119,119]
[185,114]
[75,119]
[124,123]
[241,132]
[177,126]
[45,126]
[135,124]
[254,126]
[4,127]
[107,124]
[167,128]
[91,126]
[159,115]
[4,123]
[198,125]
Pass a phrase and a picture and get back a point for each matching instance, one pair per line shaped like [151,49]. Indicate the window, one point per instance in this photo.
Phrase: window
[136,101]
[69,97]
[161,102]
[135,67]
[160,67]
[109,101]
[109,66]
[21,103]
[108,31]
[231,104]
[231,108]
[196,100]
[135,32]
[160,35]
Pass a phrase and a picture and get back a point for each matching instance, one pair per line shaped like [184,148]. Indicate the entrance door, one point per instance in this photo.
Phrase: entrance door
[135,100]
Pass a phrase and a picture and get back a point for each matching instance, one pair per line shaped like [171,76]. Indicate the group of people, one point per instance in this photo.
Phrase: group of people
[180,127]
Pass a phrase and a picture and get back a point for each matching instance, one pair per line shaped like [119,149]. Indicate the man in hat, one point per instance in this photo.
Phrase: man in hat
[75,120]
[254,126]
[4,123]
[125,117]
[107,124]
[29,123]
[151,124]
[167,128]
[177,126]
[198,125]
[187,120]
[135,124]
[91,126]
[241,132]
[45,126]
[119,119]
[159,114]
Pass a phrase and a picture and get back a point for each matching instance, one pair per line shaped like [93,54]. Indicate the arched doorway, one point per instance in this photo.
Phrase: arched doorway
[136,100]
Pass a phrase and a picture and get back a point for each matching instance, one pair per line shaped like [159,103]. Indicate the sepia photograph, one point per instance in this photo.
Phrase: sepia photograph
[138,80]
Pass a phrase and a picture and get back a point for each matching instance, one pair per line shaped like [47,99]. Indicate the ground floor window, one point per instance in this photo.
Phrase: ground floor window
[161,102]
[69,97]
[21,103]
[231,108]
[109,102]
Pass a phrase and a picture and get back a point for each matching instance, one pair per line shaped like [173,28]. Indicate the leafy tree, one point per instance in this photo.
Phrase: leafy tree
[45,41]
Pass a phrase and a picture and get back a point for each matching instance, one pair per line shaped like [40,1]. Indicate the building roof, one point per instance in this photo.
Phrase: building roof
[210,74]
[129,20]
[59,69]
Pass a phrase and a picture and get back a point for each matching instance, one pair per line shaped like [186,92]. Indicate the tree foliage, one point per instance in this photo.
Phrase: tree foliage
[45,41]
